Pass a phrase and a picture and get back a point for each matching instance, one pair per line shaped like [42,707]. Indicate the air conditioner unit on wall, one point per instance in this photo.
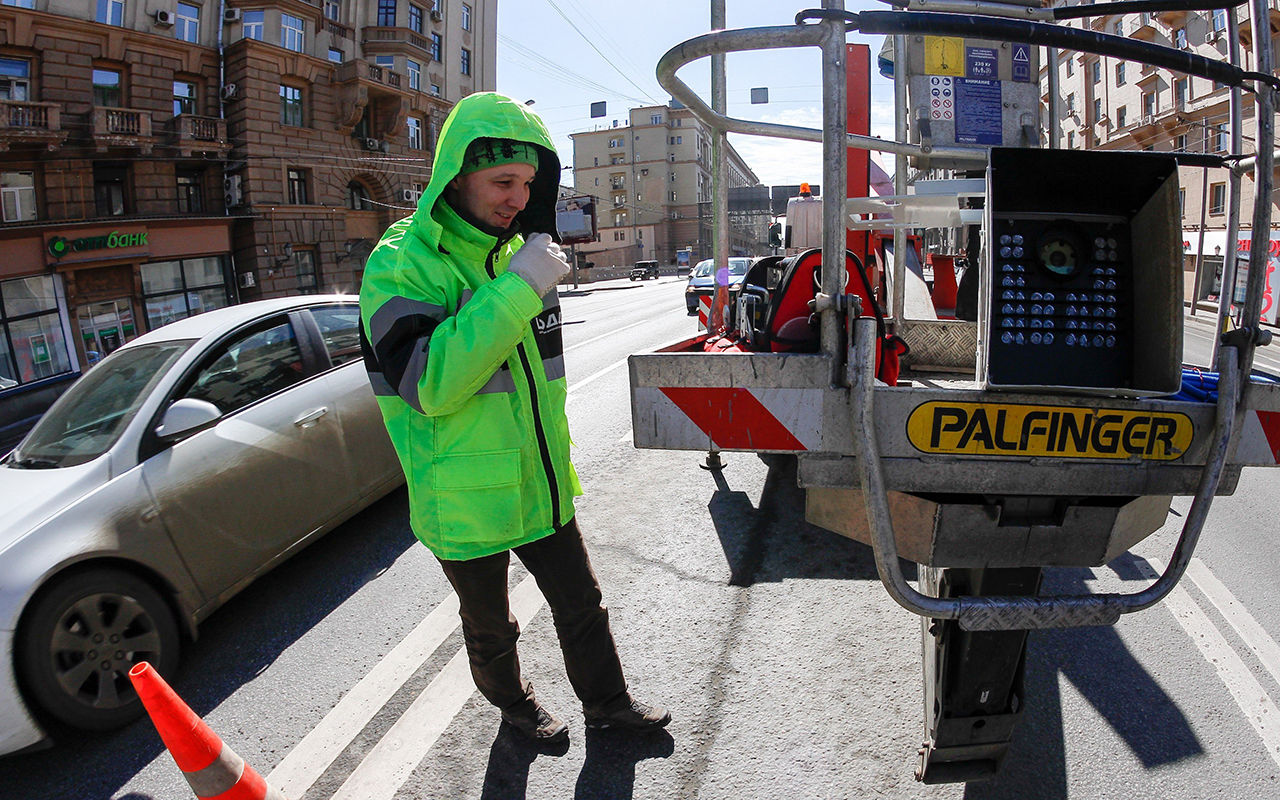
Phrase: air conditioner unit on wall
[372,144]
[247,281]
[230,15]
[1211,37]
[163,17]
[409,195]
[230,91]
[231,191]
[436,16]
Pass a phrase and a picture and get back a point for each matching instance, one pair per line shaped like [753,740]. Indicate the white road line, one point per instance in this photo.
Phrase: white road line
[579,384]
[385,769]
[1258,709]
[613,332]
[1255,638]
[303,765]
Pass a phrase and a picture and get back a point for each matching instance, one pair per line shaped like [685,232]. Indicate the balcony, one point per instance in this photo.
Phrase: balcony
[1145,128]
[336,29]
[23,123]
[1246,30]
[358,72]
[193,134]
[382,40]
[1142,27]
[122,127]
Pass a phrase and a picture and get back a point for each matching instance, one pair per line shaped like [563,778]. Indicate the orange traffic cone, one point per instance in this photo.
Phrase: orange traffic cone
[214,771]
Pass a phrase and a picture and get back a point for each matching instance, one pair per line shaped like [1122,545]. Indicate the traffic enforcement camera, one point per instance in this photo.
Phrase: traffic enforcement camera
[1082,288]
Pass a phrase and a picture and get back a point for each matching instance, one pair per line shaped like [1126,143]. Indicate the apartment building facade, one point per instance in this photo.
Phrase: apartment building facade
[1106,103]
[651,179]
[162,158]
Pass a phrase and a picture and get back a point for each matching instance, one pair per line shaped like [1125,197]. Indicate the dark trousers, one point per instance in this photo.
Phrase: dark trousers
[560,565]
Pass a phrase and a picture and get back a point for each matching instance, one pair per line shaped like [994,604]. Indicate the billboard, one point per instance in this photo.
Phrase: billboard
[576,219]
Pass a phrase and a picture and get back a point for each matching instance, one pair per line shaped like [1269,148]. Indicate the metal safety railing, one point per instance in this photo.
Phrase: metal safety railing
[826,29]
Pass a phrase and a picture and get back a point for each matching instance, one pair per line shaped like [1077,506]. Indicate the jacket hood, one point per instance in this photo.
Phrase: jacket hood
[489,114]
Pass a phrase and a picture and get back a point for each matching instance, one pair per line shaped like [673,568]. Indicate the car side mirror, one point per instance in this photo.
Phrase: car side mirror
[186,416]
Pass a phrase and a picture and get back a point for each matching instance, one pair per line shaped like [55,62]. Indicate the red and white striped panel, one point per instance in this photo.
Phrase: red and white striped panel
[677,418]
[1259,442]
[704,311]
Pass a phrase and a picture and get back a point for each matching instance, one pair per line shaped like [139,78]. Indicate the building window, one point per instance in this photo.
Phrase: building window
[293,33]
[304,267]
[333,10]
[1148,104]
[386,62]
[188,28]
[290,106]
[1219,20]
[106,88]
[336,56]
[18,196]
[1071,66]
[1120,74]
[415,18]
[1217,198]
[386,13]
[184,98]
[32,344]
[1180,38]
[1071,140]
[1220,143]
[109,196]
[20,3]
[1071,103]
[1182,203]
[111,12]
[190,192]
[435,90]
[1097,109]
[15,77]
[1095,68]
[174,290]
[1180,142]
[465,64]
[415,133]
[1117,28]
[297,185]
[1180,94]
[358,197]
[415,73]
[251,24]
[1121,116]
[466,17]
[655,119]
[437,46]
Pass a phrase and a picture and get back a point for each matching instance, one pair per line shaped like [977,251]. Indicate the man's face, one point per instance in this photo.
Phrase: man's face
[495,195]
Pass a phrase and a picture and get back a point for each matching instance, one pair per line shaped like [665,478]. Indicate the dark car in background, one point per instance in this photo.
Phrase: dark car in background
[643,270]
[702,280]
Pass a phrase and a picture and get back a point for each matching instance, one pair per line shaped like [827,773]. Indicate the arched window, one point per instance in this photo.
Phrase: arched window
[358,197]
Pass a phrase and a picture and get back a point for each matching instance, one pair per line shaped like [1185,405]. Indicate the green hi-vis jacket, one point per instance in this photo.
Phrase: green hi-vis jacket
[467,361]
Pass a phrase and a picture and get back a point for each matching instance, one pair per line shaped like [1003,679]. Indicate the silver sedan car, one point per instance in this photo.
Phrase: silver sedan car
[171,475]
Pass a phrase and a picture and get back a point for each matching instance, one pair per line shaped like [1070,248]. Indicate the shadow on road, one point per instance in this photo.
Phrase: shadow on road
[773,542]
[237,643]
[1104,671]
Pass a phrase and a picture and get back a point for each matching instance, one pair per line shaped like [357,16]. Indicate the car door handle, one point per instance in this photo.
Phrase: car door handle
[308,419]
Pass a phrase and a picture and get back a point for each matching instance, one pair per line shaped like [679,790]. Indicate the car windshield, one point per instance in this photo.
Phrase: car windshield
[90,416]
[737,267]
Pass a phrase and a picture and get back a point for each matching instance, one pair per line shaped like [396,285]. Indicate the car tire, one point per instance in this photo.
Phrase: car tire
[66,628]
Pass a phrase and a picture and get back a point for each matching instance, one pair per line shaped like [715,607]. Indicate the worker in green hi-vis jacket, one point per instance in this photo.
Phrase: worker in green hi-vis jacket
[461,321]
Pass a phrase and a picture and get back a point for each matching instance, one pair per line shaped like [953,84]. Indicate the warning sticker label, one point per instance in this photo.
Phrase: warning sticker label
[985,429]
[978,117]
[942,101]
[944,55]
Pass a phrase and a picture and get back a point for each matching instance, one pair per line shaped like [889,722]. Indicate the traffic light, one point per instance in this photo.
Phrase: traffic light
[775,235]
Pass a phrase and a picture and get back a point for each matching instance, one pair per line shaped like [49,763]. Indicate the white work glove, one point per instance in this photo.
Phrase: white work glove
[540,262]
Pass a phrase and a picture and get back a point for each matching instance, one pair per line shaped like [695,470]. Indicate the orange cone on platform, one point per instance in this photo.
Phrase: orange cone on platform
[214,771]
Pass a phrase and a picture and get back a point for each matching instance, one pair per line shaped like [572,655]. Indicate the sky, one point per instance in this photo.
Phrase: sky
[566,54]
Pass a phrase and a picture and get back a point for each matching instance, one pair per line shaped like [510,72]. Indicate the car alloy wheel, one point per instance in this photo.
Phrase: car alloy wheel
[79,638]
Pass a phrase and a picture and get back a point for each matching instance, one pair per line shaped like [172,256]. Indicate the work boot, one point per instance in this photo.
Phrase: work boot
[630,714]
[537,724]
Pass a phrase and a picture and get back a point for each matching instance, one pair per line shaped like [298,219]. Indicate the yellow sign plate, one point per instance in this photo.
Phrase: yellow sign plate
[986,429]
[944,55]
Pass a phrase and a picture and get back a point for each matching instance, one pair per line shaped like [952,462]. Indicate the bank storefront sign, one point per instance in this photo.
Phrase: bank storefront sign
[59,247]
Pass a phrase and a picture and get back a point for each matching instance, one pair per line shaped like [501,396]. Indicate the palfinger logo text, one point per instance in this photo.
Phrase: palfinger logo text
[986,429]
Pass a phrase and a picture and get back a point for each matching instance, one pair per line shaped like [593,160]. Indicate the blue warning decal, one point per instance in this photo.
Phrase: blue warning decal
[978,117]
